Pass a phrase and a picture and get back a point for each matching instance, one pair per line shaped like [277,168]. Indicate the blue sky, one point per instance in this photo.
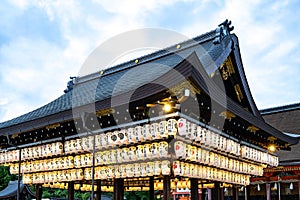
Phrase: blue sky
[43,43]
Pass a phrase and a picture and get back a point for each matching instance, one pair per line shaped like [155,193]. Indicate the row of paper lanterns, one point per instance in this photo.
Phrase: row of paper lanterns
[192,153]
[157,150]
[210,173]
[135,170]
[147,132]
[259,156]
[35,152]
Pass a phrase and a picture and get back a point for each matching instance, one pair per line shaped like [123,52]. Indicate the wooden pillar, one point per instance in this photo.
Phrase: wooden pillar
[151,188]
[167,188]
[235,192]
[299,189]
[217,192]
[247,192]
[98,192]
[38,192]
[268,191]
[71,190]
[118,189]
[194,189]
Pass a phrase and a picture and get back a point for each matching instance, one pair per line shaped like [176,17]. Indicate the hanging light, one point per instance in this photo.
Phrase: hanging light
[258,187]
[167,107]
[291,186]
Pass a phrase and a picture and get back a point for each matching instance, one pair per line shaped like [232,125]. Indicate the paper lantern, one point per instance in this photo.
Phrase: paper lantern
[123,137]
[180,149]
[143,169]
[154,148]
[132,137]
[154,130]
[163,149]
[137,170]
[172,127]
[150,169]
[125,156]
[163,132]
[176,168]
[139,134]
[157,168]
[146,132]
[165,167]
[148,151]
[98,142]
[140,152]
[182,127]
[192,131]
[132,153]
[85,143]
[115,156]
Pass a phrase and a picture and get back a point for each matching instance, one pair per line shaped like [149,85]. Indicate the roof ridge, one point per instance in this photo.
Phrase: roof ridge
[282,108]
[150,57]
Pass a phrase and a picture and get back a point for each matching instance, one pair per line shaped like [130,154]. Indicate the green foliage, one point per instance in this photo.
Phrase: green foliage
[5,177]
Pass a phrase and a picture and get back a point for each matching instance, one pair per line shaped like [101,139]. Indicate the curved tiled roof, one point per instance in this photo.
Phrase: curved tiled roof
[84,91]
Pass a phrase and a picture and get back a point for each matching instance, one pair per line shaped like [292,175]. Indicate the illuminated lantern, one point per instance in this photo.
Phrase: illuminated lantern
[192,151]
[154,150]
[172,127]
[173,185]
[139,134]
[198,134]
[132,153]
[146,132]
[140,152]
[123,137]
[137,170]
[154,131]
[122,169]
[132,137]
[82,160]
[192,131]
[114,138]
[163,149]
[143,169]
[176,168]
[85,143]
[150,169]
[182,127]
[87,174]
[91,143]
[117,154]
[180,149]
[98,142]
[203,135]
[125,156]
[147,151]
[163,132]
[113,155]
[229,145]
[105,157]
[157,168]
[111,138]
[130,170]
[104,140]
[79,174]
[165,167]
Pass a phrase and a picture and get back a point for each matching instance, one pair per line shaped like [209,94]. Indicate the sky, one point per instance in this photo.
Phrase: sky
[44,42]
